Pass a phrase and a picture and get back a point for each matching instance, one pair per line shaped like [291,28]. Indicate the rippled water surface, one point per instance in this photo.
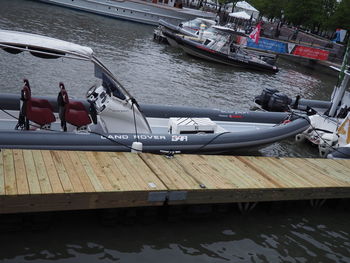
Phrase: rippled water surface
[156,73]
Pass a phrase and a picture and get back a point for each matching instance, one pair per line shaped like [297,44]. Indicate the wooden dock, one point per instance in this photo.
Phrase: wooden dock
[37,180]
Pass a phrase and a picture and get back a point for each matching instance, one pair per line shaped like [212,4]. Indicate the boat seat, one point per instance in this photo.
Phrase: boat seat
[36,102]
[36,110]
[73,112]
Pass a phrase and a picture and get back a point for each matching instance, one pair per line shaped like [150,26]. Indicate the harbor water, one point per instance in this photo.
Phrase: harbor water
[158,74]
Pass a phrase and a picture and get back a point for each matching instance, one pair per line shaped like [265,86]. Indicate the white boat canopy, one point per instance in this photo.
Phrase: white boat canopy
[15,42]
[241,15]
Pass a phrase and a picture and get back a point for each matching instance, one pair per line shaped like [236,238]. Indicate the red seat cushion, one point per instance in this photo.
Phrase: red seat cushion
[76,114]
[39,115]
[39,111]
[41,103]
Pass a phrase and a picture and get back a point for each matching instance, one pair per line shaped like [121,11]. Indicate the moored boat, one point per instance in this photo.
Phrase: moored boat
[110,119]
[220,46]
[142,11]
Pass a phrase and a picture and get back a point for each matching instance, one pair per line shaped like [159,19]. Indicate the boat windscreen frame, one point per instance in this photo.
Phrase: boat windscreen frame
[98,63]
[52,53]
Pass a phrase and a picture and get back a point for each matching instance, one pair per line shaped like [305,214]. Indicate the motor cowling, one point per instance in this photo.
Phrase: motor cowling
[264,98]
[279,102]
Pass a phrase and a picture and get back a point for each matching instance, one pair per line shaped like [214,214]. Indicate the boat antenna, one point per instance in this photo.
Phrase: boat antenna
[342,82]
[344,64]
[133,104]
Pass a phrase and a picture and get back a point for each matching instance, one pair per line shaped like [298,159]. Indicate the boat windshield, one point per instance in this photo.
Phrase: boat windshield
[111,88]
[195,24]
[219,43]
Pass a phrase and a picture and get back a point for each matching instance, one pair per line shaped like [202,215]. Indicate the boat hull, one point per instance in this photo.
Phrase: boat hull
[136,11]
[199,50]
[224,142]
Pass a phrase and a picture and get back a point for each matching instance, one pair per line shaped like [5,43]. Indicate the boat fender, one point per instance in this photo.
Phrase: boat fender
[136,147]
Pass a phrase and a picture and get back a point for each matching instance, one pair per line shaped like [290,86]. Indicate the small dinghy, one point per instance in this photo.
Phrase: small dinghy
[110,119]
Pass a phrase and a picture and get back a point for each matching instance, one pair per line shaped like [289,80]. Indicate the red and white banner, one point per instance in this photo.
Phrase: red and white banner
[255,35]
[310,52]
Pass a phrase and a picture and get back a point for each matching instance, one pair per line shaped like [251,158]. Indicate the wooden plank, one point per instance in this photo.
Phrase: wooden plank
[33,182]
[71,172]
[287,173]
[248,176]
[2,174]
[80,172]
[144,172]
[43,178]
[98,171]
[171,173]
[137,182]
[270,174]
[334,168]
[117,178]
[125,173]
[130,162]
[10,175]
[318,176]
[21,175]
[107,172]
[55,181]
[170,178]
[235,175]
[90,172]
[203,172]
[62,173]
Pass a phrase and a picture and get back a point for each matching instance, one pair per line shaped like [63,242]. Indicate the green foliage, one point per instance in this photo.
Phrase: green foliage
[312,14]
[341,17]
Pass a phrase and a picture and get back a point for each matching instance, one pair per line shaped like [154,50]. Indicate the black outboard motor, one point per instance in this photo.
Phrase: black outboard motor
[279,102]
[264,98]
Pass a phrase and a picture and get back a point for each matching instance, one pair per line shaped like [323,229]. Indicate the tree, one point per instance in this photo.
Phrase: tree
[341,18]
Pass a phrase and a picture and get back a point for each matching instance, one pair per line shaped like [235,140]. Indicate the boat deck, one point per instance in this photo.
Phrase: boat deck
[38,180]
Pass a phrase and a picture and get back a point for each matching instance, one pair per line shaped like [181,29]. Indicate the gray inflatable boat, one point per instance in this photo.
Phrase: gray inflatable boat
[110,119]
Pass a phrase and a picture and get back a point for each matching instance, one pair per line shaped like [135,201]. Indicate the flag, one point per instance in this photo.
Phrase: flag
[255,35]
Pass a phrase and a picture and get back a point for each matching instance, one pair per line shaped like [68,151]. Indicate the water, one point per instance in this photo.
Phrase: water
[154,74]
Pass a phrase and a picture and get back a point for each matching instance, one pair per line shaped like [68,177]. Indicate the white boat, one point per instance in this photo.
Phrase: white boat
[110,119]
[329,120]
[330,130]
[220,46]
[142,11]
